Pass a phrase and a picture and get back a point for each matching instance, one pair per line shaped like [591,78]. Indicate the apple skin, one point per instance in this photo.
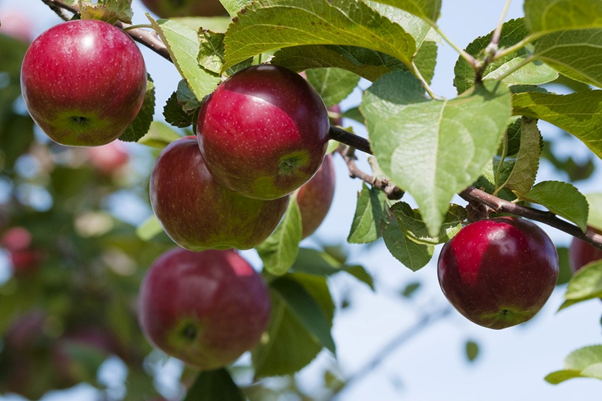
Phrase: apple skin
[263,132]
[205,308]
[83,82]
[185,8]
[315,197]
[498,272]
[197,212]
[582,253]
[110,158]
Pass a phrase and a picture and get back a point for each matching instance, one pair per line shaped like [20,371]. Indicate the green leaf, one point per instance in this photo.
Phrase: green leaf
[410,289]
[333,84]
[562,199]
[215,24]
[280,250]
[290,23]
[369,64]
[557,15]
[214,385]
[586,283]
[584,362]
[523,174]
[159,135]
[594,219]
[212,50]
[234,6]
[428,10]
[412,24]
[426,59]
[433,148]
[513,31]
[183,46]
[576,54]
[143,120]
[472,350]
[149,229]
[364,227]
[412,255]
[410,222]
[579,113]
[306,309]
[109,11]
[332,146]
[175,115]
[311,261]
[513,133]
[287,346]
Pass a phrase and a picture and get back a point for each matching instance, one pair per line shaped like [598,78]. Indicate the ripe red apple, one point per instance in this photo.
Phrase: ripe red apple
[205,308]
[16,239]
[18,243]
[185,8]
[108,159]
[263,132]
[498,272]
[16,24]
[83,82]
[582,253]
[315,197]
[197,212]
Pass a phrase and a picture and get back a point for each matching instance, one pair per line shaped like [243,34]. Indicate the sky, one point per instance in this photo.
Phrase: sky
[432,365]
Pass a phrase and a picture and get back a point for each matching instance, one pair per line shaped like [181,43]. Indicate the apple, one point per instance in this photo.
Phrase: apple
[315,197]
[83,82]
[110,158]
[197,212]
[16,24]
[205,308]
[264,131]
[498,272]
[582,253]
[185,8]
[23,258]
[16,239]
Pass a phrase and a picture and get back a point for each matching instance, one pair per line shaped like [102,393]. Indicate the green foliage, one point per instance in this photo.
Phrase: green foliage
[332,84]
[411,223]
[214,385]
[449,141]
[280,250]
[472,350]
[109,11]
[159,135]
[364,229]
[143,120]
[584,285]
[594,217]
[522,177]
[584,362]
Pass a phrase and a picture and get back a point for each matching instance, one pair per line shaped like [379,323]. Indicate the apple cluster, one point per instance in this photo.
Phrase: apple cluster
[261,136]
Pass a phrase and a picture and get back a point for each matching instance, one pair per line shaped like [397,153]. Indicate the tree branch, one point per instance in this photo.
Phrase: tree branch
[146,38]
[472,194]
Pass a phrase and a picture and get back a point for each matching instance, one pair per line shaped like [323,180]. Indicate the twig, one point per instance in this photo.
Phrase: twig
[424,322]
[146,38]
[393,192]
[472,194]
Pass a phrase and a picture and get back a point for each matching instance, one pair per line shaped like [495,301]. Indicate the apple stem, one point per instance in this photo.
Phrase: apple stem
[470,194]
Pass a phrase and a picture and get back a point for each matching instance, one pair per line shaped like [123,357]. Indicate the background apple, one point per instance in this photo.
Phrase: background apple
[16,24]
[185,8]
[110,158]
[315,197]
[498,272]
[83,82]
[205,308]
[197,212]
[582,253]
[24,258]
[263,132]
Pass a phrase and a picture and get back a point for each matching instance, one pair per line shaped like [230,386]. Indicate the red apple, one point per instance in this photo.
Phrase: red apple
[197,212]
[498,272]
[83,82]
[205,308]
[16,239]
[185,8]
[315,197]
[263,132]
[16,24]
[108,159]
[582,253]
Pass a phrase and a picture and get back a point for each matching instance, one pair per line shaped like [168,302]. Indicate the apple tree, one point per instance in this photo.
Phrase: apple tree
[255,116]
